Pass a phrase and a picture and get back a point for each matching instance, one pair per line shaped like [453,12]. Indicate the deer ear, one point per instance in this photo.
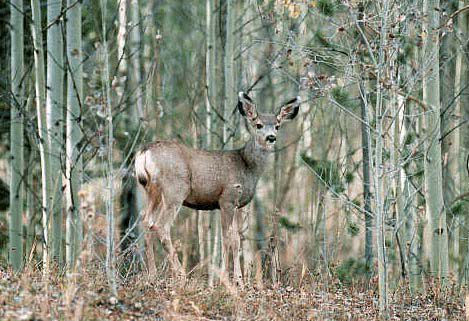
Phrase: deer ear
[289,110]
[246,106]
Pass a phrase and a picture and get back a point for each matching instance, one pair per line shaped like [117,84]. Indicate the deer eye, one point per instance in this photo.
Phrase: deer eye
[259,126]
[277,127]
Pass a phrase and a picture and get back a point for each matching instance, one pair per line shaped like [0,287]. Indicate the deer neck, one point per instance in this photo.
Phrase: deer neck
[254,156]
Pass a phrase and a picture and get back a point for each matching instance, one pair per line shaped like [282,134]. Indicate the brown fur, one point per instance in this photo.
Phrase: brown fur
[174,175]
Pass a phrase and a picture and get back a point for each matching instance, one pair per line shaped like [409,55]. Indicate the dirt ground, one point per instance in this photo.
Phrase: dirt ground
[27,297]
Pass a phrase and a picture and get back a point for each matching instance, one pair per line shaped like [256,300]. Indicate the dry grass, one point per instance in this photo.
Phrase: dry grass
[26,297]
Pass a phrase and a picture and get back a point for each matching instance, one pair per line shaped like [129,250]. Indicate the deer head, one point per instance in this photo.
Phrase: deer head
[264,127]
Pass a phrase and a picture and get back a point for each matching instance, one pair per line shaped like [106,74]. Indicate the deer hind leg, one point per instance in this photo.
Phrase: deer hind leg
[149,254]
[163,232]
[148,221]
[173,196]
[154,202]
[161,213]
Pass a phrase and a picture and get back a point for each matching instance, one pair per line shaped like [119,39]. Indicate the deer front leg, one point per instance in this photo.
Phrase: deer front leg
[226,220]
[231,240]
[236,243]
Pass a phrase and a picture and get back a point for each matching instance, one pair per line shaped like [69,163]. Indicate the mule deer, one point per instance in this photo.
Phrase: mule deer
[173,175]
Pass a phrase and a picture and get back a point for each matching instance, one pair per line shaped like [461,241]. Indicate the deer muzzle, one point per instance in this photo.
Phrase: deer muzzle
[271,139]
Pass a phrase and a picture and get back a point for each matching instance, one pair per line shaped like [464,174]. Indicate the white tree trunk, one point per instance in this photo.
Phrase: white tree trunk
[73,166]
[31,218]
[457,156]
[210,64]
[230,91]
[435,211]
[135,43]
[213,239]
[42,129]
[15,248]
[121,50]
[367,197]
[149,54]
[378,167]
[110,251]
[54,111]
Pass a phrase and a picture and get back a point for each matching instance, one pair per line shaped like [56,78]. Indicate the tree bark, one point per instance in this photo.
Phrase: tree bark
[435,211]
[230,92]
[110,253]
[366,147]
[54,111]
[44,149]
[73,162]
[149,53]
[378,170]
[135,44]
[366,161]
[210,64]
[121,51]
[15,248]
[210,102]
[456,164]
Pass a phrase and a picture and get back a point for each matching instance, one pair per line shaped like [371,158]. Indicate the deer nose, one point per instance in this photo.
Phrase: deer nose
[271,139]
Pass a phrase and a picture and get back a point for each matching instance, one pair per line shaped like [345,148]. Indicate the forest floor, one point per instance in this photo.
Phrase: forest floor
[26,297]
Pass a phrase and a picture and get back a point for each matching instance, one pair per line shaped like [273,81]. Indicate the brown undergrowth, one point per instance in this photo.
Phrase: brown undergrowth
[27,297]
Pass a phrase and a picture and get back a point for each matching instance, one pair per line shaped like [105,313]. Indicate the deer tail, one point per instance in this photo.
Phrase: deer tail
[141,172]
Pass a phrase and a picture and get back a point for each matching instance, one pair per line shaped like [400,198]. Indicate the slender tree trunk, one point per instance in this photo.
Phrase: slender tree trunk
[435,211]
[54,111]
[378,170]
[31,218]
[215,90]
[128,197]
[210,102]
[463,29]
[30,172]
[409,195]
[149,54]
[366,159]
[449,144]
[135,44]
[411,128]
[135,111]
[121,51]
[42,129]
[456,165]
[210,64]
[73,162]
[110,255]
[366,147]
[230,91]
[395,143]
[15,248]
[380,208]
[30,185]
[400,216]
